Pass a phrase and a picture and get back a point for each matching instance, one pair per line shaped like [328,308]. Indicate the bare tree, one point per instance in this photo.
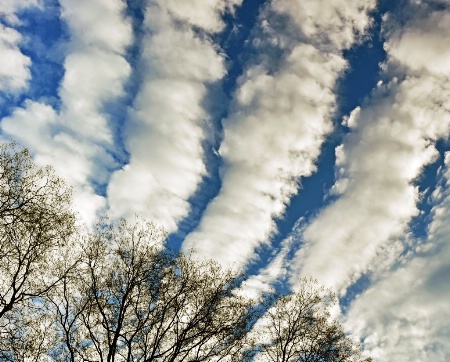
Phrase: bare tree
[35,220]
[35,223]
[134,301]
[118,294]
[298,327]
[26,334]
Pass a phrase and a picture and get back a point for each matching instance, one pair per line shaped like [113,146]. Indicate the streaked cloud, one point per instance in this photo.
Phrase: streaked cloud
[277,125]
[275,272]
[168,119]
[409,321]
[391,140]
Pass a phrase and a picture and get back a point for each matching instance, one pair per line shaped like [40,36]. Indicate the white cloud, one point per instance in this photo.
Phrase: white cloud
[38,127]
[95,67]
[205,14]
[92,77]
[275,131]
[409,320]
[332,23]
[76,139]
[98,24]
[9,8]
[168,119]
[391,140]
[422,45]
[376,164]
[14,65]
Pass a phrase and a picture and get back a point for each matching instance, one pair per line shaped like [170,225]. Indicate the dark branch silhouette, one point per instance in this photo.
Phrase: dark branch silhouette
[117,294]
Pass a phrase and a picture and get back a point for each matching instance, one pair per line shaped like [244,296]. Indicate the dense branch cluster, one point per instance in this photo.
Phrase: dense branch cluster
[298,327]
[117,294]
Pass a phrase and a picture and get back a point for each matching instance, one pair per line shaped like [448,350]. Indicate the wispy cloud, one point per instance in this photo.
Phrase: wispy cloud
[391,140]
[280,118]
[168,119]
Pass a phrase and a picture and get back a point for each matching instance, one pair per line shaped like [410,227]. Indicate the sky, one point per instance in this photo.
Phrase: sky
[285,138]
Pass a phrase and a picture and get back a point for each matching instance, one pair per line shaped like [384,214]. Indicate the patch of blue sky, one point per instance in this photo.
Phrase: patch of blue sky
[120,111]
[45,37]
[363,71]
[235,40]
[357,288]
[207,190]
[427,183]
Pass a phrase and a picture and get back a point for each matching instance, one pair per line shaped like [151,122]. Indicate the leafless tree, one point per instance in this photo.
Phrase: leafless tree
[299,327]
[25,334]
[134,301]
[35,221]
[118,294]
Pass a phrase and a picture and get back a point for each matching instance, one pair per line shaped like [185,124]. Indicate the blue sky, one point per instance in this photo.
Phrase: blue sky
[288,138]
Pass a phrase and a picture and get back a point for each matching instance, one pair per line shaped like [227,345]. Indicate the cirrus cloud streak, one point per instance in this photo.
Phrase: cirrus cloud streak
[277,125]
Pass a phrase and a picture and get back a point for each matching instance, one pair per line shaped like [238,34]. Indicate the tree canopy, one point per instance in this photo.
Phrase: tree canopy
[116,293]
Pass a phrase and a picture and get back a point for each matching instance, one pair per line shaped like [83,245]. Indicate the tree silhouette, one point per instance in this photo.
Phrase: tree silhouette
[36,223]
[299,327]
[117,293]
